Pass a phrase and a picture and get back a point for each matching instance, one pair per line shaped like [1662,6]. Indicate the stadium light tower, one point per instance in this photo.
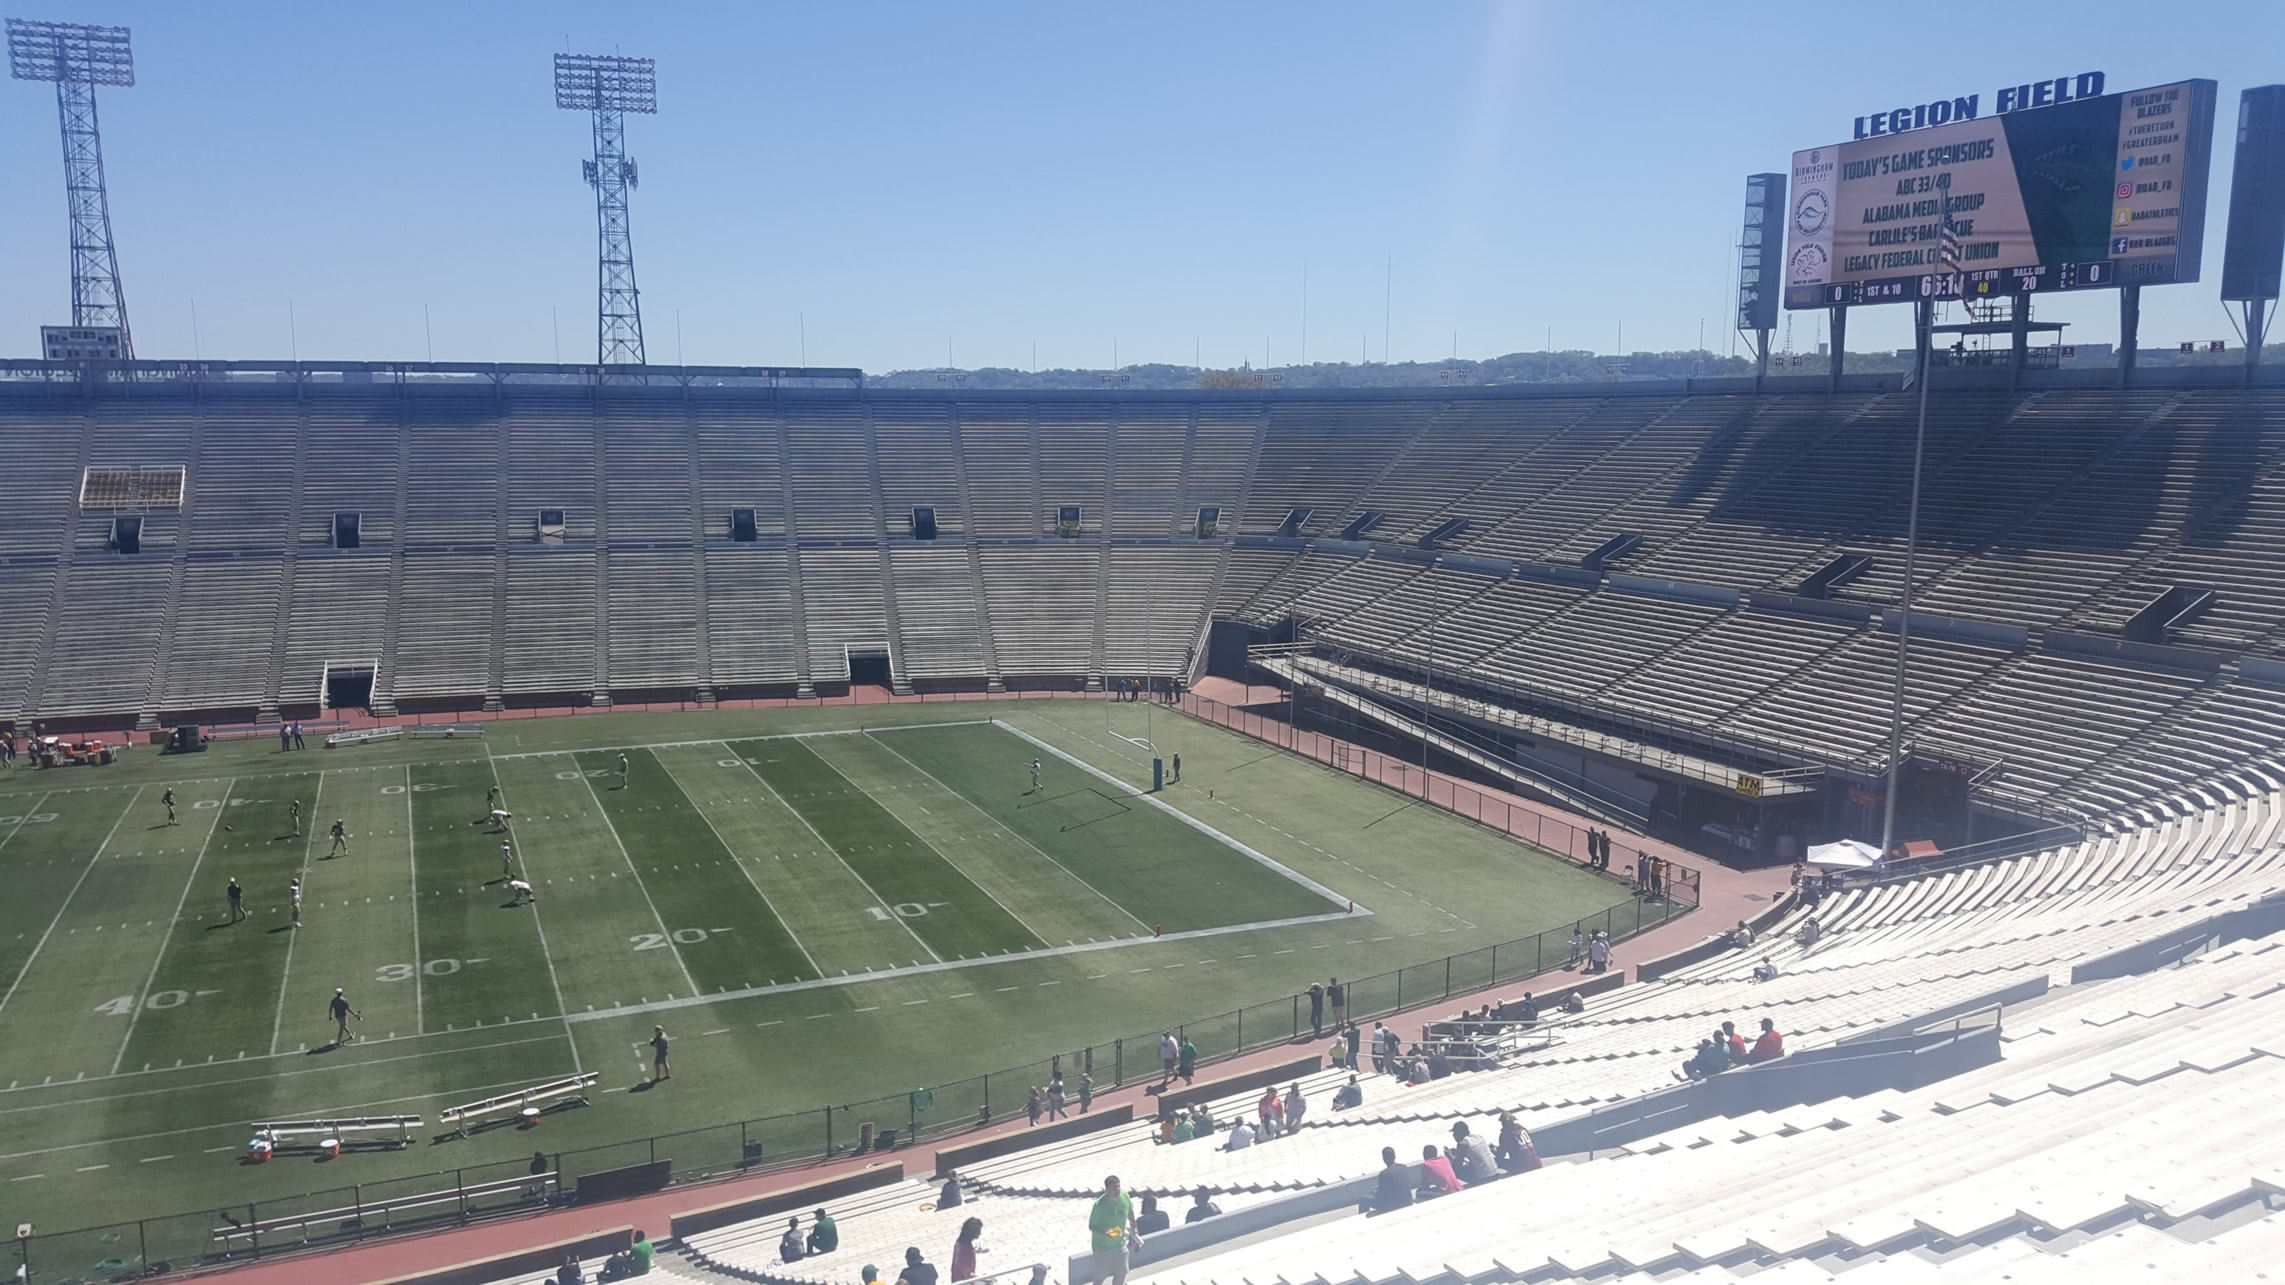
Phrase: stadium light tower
[607,87]
[78,58]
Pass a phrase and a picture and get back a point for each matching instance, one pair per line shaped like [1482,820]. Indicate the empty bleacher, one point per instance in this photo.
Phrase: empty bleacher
[2050,508]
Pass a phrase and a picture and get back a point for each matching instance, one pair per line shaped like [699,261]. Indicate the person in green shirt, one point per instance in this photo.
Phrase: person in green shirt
[641,1250]
[1185,1129]
[1186,1060]
[1112,1226]
[824,1237]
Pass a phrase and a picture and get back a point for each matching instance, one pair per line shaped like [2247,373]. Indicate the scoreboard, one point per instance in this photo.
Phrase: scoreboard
[2085,195]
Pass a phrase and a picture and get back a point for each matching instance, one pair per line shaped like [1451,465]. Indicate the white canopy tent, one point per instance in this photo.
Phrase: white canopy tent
[1848,854]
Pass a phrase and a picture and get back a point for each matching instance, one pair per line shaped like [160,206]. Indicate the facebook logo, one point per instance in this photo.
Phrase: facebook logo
[2118,245]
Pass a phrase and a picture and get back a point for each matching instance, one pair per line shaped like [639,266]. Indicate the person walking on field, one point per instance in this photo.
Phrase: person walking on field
[507,860]
[293,814]
[237,897]
[169,799]
[295,892]
[1035,776]
[659,1068]
[622,770]
[340,1012]
[340,837]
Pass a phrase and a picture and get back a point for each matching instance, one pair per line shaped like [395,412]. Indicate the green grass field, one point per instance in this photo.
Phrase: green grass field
[821,906]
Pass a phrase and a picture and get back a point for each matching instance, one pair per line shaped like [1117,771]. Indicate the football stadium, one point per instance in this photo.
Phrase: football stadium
[479,823]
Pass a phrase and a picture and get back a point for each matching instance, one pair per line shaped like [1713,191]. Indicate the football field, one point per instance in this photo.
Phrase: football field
[822,907]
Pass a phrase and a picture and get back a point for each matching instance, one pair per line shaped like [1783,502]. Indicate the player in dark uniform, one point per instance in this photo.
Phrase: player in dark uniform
[340,836]
[340,1011]
[237,897]
[659,1068]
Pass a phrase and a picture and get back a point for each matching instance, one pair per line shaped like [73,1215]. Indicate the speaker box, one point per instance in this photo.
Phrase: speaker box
[2255,247]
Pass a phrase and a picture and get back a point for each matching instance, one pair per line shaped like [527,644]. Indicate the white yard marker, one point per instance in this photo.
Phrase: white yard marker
[997,824]
[783,922]
[67,900]
[546,955]
[286,980]
[412,872]
[823,843]
[619,843]
[220,810]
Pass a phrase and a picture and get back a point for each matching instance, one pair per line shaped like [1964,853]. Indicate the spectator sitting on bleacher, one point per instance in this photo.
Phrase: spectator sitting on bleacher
[1574,1003]
[1202,1207]
[569,1273]
[791,1244]
[634,1260]
[1270,1112]
[1733,1043]
[1528,1011]
[1349,1095]
[1741,936]
[1241,1136]
[1436,1176]
[1471,1158]
[824,1237]
[1708,1060]
[917,1270]
[1439,1062]
[1769,1045]
[1152,1219]
[1765,971]
[1515,1154]
[1206,1122]
[1185,1128]
[949,1195]
[1394,1190]
[1808,933]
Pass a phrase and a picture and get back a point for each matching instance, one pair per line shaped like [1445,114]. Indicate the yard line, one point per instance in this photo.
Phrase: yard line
[1004,829]
[823,843]
[413,882]
[285,981]
[563,1010]
[222,809]
[946,966]
[640,886]
[1144,796]
[783,922]
[560,1034]
[67,897]
[978,885]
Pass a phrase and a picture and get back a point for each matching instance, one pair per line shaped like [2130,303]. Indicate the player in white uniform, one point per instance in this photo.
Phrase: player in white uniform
[622,771]
[507,860]
[500,819]
[296,890]
[1035,776]
[523,891]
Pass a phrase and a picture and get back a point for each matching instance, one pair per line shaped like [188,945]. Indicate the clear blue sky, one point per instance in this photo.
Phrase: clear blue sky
[997,175]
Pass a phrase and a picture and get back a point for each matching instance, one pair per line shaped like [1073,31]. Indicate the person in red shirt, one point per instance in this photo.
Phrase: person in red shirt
[1736,1042]
[1436,1176]
[1769,1045]
[965,1249]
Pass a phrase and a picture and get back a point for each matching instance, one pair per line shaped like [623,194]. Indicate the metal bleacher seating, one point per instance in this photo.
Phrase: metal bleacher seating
[2102,1109]
[2050,509]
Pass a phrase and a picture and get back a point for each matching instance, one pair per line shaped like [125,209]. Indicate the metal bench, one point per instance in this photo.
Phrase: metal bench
[401,1125]
[363,736]
[570,1087]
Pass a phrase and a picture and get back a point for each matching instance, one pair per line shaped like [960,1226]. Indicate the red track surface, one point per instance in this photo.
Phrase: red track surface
[1725,896]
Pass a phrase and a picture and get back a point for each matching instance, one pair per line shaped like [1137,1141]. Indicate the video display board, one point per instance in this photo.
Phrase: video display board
[2091,194]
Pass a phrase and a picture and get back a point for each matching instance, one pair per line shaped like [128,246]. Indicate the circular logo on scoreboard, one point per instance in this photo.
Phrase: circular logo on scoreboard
[1808,264]
[1811,212]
